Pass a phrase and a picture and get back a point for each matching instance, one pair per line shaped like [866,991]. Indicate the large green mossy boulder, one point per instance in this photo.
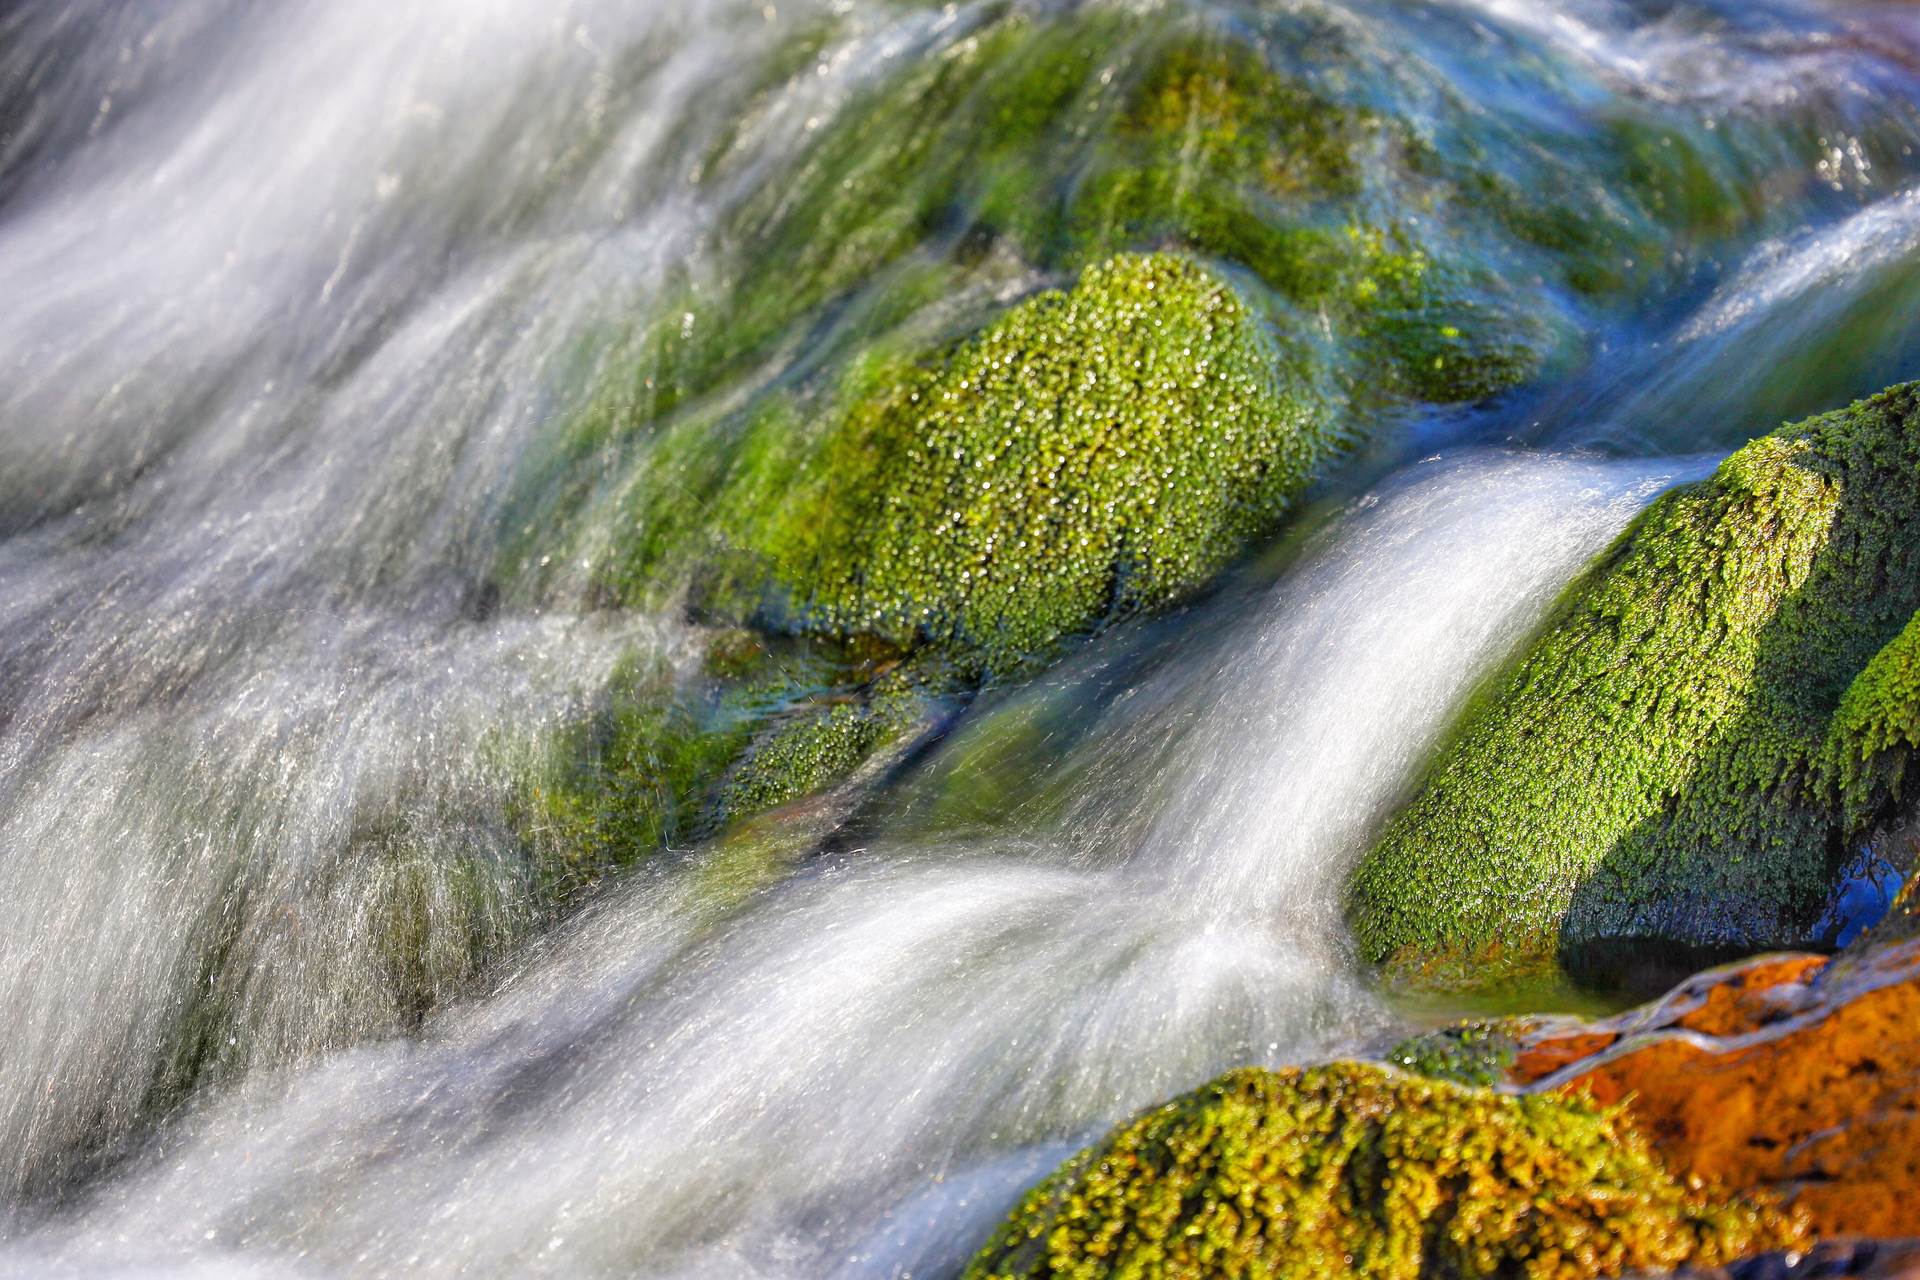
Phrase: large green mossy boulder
[1715,711]
[1357,1171]
[1091,454]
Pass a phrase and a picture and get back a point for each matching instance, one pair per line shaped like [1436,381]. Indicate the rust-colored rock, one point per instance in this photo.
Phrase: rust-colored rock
[1719,1002]
[1798,1074]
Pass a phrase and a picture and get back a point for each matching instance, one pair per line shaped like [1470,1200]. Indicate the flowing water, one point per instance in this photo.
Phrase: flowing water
[289,293]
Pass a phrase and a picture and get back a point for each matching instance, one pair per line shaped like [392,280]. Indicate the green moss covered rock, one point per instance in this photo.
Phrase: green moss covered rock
[1715,711]
[823,744]
[1473,1053]
[1093,453]
[1358,1171]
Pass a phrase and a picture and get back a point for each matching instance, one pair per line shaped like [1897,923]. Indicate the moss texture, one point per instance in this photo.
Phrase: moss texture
[1471,1053]
[1351,1170]
[1716,710]
[1093,453]
[824,744]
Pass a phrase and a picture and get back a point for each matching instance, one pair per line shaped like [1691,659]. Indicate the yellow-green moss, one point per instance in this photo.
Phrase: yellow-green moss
[1472,1053]
[1356,1171]
[1714,711]
[1093,453]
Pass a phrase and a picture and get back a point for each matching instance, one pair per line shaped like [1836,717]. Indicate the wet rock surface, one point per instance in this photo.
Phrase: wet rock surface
[1796,1074]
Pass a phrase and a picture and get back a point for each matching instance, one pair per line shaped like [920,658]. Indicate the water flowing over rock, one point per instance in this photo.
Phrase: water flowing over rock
[696,637]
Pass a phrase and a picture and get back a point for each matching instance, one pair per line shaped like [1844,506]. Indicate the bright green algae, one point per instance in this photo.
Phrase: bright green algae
[1716,710]
[1092,454]
[1357,1171]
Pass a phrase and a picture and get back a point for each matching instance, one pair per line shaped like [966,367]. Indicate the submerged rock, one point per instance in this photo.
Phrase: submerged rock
[1352,1170]
[1717,709]
[1794,1075]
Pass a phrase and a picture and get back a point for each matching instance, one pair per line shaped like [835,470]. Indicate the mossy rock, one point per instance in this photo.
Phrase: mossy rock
[1472,1053]
[1717,709]
[1095,453]
[1429,248]
[1359,1171]
[854,418]
[634,775]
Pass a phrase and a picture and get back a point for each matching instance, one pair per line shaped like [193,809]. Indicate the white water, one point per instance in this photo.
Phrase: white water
[856,1072]
[285,287]
[271,352]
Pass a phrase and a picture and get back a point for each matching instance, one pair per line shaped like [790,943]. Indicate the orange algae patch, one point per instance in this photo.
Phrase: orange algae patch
[1793,1074]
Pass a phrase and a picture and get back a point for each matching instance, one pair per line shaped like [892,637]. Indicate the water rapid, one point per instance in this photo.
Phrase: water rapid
[854,1072]
[294,294]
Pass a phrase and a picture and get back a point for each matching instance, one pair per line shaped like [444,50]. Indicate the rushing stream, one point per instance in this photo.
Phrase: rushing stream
[288,293]
[857,1071]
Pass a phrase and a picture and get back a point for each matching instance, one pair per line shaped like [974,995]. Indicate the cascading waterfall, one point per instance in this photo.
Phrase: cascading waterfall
[293,292]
